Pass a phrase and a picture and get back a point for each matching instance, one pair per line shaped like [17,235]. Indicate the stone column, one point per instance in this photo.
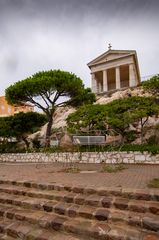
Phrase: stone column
[94,83]
[100,87]
[132,80]
[105,81]
[117,74]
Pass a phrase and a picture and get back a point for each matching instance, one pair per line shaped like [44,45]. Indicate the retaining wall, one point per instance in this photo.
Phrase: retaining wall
[85,157]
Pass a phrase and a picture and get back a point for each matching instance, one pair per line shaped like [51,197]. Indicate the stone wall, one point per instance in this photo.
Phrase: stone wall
[85,157]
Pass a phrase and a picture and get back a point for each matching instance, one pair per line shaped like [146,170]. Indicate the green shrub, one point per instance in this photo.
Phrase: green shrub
[71,170]
[154,183]
[10,147]
[113,168]
[152,140]
[36,143]
[154,149]
[130,136]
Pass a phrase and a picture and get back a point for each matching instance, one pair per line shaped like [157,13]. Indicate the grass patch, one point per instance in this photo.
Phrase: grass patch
[154,183]
[71,170]
[113,168]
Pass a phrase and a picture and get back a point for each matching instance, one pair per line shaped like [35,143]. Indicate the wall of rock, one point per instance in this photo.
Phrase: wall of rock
[85,157]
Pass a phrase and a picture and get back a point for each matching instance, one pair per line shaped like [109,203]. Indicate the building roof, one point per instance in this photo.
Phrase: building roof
[113,55]
[103,57]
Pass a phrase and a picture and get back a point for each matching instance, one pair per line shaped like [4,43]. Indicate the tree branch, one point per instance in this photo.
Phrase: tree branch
[44,100]
[30,99]
[142,123]
[61,104]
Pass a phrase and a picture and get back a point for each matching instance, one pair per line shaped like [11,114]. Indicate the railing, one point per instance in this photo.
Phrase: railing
[89,140]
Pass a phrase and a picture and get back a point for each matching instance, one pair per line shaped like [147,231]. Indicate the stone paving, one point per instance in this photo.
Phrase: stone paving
[42,202]
[135,176]
[48,211]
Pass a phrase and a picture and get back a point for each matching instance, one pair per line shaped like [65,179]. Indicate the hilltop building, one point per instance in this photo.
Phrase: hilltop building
[114,70]
[8,110]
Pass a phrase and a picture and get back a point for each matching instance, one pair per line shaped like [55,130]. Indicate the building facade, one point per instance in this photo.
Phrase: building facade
[114,70]
[8,110]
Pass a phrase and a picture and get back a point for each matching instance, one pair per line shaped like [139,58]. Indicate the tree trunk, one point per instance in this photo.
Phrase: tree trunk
[48,131]
[142,128]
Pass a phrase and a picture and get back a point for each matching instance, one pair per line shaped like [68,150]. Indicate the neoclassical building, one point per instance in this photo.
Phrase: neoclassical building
[114,70]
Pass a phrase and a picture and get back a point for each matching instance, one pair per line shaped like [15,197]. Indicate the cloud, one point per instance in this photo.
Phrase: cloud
[39,35]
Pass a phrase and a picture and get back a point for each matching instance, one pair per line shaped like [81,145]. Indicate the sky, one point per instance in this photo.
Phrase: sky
[37,35]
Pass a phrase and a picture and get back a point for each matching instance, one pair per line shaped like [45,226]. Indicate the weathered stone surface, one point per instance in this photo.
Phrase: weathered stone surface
[113,157]
[151,236]
[151,223]
[154,208]
[78,227]
[138,206]
[142,195]
[78,189]
[100,231]
[10,214]
[61,208]
[121,203]
[18,230]
[117,234]
[79,199]
[94,200]
[118,216]
[107,202]
[104,220]
[139,158]
[134,219]
[33,217]
[46,221]
[101,214]
[69,198]
[58,223]
[89,190]
[86,212]
[4,224]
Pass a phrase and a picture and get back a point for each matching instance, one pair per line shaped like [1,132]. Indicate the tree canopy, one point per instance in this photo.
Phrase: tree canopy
[152,85]
[21,124]
[88,117]
[48,90]
[123,112]
[116,115]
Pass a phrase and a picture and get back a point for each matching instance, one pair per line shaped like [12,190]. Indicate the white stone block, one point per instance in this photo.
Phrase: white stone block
[140,158]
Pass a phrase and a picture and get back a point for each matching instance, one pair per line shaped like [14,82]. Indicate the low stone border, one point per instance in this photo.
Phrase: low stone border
[85,157]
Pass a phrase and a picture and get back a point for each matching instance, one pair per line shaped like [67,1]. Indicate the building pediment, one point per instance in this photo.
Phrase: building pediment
[111,55]
[114,70]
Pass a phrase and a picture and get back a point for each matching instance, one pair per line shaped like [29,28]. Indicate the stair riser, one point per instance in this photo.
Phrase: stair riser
[126,193]
[58,224]
[61,224]
[102,202]
[98,215]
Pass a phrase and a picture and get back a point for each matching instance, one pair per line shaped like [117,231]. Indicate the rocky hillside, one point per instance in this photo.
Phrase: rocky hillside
[62,113]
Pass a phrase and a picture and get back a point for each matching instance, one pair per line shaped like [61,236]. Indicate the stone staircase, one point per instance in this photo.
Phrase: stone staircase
[42,211]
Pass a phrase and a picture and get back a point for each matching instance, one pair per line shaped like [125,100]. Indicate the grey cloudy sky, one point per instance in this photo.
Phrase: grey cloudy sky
[66,34]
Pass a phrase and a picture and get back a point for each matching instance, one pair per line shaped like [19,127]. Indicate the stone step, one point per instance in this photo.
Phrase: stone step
[18,230]
[138,194]
[84,211]
[20,222]
[141,206]
[5,237]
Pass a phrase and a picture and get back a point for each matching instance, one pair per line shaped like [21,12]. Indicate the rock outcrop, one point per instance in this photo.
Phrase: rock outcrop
[62,113]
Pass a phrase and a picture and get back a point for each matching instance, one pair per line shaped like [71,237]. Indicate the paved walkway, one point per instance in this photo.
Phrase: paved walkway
[135,176]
